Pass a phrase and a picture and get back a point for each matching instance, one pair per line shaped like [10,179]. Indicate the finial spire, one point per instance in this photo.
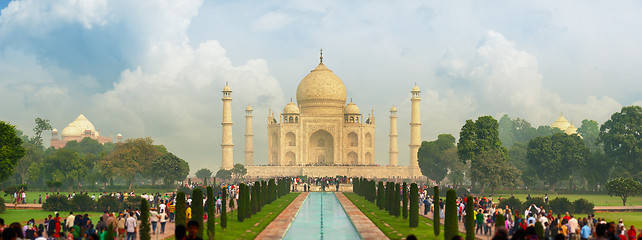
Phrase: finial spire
[291,99]
[321,58]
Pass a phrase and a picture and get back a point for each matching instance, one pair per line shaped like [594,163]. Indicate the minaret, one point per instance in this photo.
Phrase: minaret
[227,144]
[249,144]
[393,137]
[415,127]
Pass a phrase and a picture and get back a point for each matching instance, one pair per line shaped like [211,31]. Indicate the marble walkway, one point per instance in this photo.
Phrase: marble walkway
[276,229]
[367,229]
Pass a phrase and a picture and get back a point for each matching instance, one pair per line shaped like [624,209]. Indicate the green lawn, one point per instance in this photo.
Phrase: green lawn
[22,216]
[33,195]
[629,218]
[250,228]
[397,227]
[597,199]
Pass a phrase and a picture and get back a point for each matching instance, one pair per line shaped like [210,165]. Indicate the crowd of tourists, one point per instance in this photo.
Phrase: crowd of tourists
[522,225]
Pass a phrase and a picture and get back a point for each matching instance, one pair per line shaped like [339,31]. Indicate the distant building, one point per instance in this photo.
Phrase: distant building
[564,125]
[77,130]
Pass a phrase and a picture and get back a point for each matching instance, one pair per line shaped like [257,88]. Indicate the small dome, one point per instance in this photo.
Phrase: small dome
[77,127]
[351,108]
[571,130]
[227,88]
[393,109]
[248,108]
[54,130]
[416,89]
[119,135]
[291,108]
[561,123]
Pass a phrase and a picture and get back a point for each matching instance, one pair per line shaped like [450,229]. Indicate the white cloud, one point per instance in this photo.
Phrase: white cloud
[272,21]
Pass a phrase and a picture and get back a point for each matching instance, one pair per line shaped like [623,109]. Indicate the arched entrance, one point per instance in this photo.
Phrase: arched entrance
[353,159]
[290,158]
[321,148]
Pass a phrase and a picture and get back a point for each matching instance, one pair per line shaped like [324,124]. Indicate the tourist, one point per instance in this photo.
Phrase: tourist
[153,217]
[426,205]
[131,227]
[631,233]
[188,213]
[192,229]
[180,232]
[163,220]
[219,204]
[120,225]
[479,219]
[585,233]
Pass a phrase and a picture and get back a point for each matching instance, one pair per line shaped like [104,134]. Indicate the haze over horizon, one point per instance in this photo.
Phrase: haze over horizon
[157,69]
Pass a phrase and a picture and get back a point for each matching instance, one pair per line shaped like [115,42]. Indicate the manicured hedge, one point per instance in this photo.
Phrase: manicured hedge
[197,209]
[404,200]
[451,226]
[180,210]
[413,220]
[470,221]
[436,217]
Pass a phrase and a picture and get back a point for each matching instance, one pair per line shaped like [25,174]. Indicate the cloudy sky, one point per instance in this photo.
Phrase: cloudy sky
[157,68]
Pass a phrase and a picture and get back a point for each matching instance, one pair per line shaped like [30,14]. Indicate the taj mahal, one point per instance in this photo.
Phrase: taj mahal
[321,135]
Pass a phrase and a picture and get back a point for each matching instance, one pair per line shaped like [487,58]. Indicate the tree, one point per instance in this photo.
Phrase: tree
[491,168]
[224,210]
[33,155]
[238,171]
[224,174]
[413,220]
[131,158]
[622,139]
[241,202]
[257,189]
[477,137]
[500,221]
[557,157]
[65,166]
[11,150]
[436,216]
[197,209]
[41,126]
[470,220]
[170,168]
[247,202]
[144,220]
[590,132]
[451,227]
[432,158]
[404,200]
[381,197]
[624,188]
[204,174]
[211,213]
[86,145]
[181,209]
[396,207]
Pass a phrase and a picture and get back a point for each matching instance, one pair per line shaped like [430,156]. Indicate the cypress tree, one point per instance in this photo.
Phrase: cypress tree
[211,213]
[380,196]
[264,193]
[470,222]
[451,227]
[539,229]
[257,186]
[404,200]
[253,199]
[414,206]
[197,209]
[181,208]
[145,228]
[240,212]
[389,197]
[397,206]
[231,204]
[247,202]
[110,232]
[500,221]
[436,217]
[224,210]
[271,191]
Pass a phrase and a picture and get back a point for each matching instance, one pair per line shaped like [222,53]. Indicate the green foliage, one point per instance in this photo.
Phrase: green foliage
[247,202]
[197,209]
[238,171]
[128,159]
[434,160]
[145,227]
[381,197]
[41,126]
[170,168]
[413,220]
[621,138]
[65,166]
[396,207]
[82,203]
[180,209]
[491,168]
[560,205]
[583,206]
[253,206]
[518,130]
[131,202]
[204,174]
[2,206]
[436,217]
[404,200]
[624,188]
[56,203]
[271,191]
[470,221]
[110,234]
[556,158]
[477,137]
[241,202]
[257,190]
[85,146]
[11,150]
[224,174]
[538,201]
[224,210]
[539,229]
[590,132]
[511,202]
[451,225]
[211,213]
[500,220]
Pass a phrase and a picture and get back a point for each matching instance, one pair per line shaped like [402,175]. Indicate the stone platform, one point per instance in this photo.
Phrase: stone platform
[326,171]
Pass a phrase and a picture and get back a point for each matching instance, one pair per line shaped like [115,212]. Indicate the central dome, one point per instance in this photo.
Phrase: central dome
[321,88]
[78,127]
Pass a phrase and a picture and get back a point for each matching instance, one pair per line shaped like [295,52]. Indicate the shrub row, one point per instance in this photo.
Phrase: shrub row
[84,203]
[559,205]
[394,198]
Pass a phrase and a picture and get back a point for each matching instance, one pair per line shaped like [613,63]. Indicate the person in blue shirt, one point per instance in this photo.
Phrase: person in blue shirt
[531,220]
[585,233]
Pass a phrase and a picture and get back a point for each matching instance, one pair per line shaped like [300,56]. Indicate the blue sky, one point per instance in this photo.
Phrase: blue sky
[156,68]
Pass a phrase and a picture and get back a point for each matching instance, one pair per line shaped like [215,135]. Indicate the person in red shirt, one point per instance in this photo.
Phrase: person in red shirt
[631,233]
